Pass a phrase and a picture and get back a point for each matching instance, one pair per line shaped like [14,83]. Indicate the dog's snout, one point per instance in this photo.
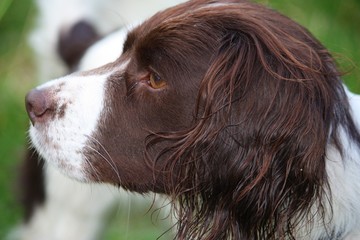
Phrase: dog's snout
[39,106]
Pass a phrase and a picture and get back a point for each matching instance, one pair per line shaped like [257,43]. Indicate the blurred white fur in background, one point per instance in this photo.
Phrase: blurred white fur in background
[54,16]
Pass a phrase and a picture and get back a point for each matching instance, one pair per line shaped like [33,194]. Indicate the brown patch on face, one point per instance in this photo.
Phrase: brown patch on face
[136,109]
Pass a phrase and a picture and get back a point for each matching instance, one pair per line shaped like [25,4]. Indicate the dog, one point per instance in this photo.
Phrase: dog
[230,108]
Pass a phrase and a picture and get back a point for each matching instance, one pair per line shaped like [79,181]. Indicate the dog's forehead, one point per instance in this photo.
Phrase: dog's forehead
[182,13]
[192,27]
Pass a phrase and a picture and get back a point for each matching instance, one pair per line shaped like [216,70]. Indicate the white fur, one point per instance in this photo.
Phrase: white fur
[83,97]
[97,55]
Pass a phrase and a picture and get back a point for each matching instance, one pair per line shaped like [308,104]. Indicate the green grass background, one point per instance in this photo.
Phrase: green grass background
[336,23]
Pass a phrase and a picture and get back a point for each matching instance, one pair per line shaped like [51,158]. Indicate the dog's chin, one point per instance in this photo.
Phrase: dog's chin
[64,156]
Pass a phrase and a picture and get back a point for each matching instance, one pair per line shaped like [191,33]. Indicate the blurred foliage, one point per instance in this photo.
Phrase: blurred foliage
[4,5]
[16,75]
[335,23]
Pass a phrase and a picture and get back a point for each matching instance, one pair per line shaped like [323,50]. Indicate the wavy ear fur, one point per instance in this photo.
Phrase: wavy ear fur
[253,164]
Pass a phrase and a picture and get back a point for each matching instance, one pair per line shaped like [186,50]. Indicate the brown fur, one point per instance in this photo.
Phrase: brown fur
[238,135]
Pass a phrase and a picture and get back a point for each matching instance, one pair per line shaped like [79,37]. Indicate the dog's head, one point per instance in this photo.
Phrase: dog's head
[227,104]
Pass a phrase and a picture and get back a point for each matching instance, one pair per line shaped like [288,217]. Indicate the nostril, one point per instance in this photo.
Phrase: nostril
[37,105]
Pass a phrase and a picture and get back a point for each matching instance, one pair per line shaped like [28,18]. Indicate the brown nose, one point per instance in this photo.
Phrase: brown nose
[39,106]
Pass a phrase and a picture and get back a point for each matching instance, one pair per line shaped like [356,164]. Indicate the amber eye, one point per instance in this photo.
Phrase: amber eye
[155,81]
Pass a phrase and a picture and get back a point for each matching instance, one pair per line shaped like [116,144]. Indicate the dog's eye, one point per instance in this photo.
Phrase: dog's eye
[155,81]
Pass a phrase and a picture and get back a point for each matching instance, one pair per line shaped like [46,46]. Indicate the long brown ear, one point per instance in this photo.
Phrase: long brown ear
[252,166]
[254,163]
[268,115]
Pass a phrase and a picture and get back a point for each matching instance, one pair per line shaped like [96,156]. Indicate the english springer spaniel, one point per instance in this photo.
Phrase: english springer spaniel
[232,109]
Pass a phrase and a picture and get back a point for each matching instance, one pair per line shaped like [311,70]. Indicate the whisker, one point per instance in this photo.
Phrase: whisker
[110,162]
[94,169]
[108,159]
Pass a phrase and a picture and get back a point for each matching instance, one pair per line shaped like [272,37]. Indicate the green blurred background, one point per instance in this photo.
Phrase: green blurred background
[336,23]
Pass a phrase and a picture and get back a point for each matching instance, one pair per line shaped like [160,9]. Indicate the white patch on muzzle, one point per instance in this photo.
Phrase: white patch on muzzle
[61,140]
